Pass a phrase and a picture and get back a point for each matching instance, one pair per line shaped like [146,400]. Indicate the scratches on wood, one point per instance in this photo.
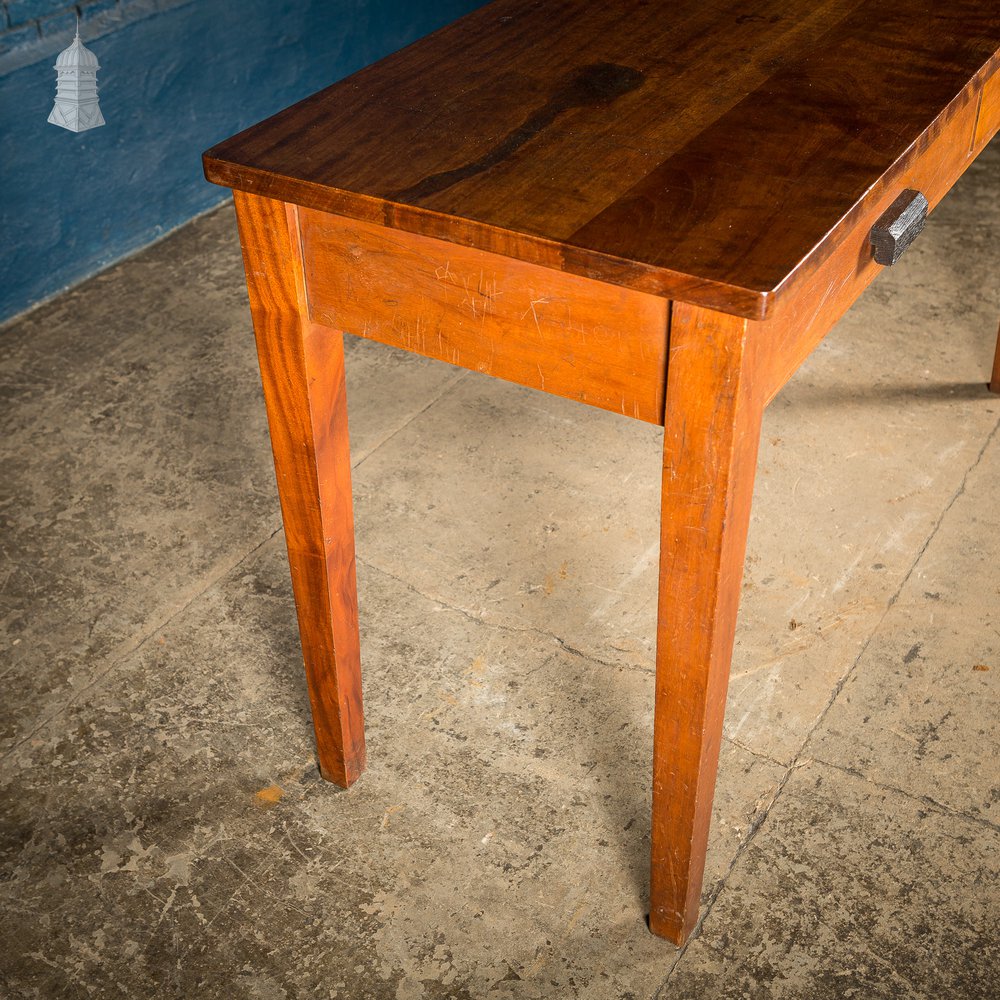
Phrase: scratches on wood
[601,344]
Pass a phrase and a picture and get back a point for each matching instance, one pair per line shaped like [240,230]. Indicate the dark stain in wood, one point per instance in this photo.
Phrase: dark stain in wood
[763,132]
[590,86]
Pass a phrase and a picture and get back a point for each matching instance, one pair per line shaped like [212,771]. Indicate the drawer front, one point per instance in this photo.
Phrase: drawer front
[598,343]
[807,315]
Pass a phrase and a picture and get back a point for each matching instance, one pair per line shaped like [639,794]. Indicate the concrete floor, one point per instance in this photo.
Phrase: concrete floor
[164,831]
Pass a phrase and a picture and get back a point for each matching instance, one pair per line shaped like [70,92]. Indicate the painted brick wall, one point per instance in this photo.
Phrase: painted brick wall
[176,77]
[26,24]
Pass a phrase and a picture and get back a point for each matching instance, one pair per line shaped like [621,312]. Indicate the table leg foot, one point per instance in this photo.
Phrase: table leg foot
[711,434]
[994,384]
[302,370]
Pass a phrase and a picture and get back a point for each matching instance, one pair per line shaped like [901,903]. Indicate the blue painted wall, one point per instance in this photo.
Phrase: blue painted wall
[176,77]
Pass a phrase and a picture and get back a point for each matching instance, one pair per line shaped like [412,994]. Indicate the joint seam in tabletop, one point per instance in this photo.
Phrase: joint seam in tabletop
[801,760]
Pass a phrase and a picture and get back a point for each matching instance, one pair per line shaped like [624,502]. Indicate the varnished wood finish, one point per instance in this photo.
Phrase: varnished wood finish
[302,368]
[713,151]
[523,193]
[709,457]
[837,281]
[988,122]
[600,344]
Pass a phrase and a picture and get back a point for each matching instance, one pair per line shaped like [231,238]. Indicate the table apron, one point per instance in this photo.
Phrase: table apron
[601,344]
[783,342]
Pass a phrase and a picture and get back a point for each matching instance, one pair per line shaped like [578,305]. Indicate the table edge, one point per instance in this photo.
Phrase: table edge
[748,303]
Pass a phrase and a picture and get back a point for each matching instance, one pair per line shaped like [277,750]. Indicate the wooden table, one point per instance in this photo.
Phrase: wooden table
[657,208]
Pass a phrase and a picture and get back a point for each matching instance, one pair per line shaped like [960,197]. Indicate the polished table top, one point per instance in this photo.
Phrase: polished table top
[705,150]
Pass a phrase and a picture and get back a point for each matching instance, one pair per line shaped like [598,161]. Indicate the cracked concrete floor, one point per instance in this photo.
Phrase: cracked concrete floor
[164,831]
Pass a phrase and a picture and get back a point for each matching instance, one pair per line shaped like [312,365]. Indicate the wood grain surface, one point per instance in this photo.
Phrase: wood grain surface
[828,290]
[989,112]
[713,151]
[302,370]
[656,208]
[710,441]
[599,344]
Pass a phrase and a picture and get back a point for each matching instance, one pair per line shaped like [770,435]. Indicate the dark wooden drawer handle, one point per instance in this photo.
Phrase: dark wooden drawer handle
[898,226]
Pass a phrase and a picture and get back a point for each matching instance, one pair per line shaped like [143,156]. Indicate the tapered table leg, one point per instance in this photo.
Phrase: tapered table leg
[712,429]
[995,380]
[302,369]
